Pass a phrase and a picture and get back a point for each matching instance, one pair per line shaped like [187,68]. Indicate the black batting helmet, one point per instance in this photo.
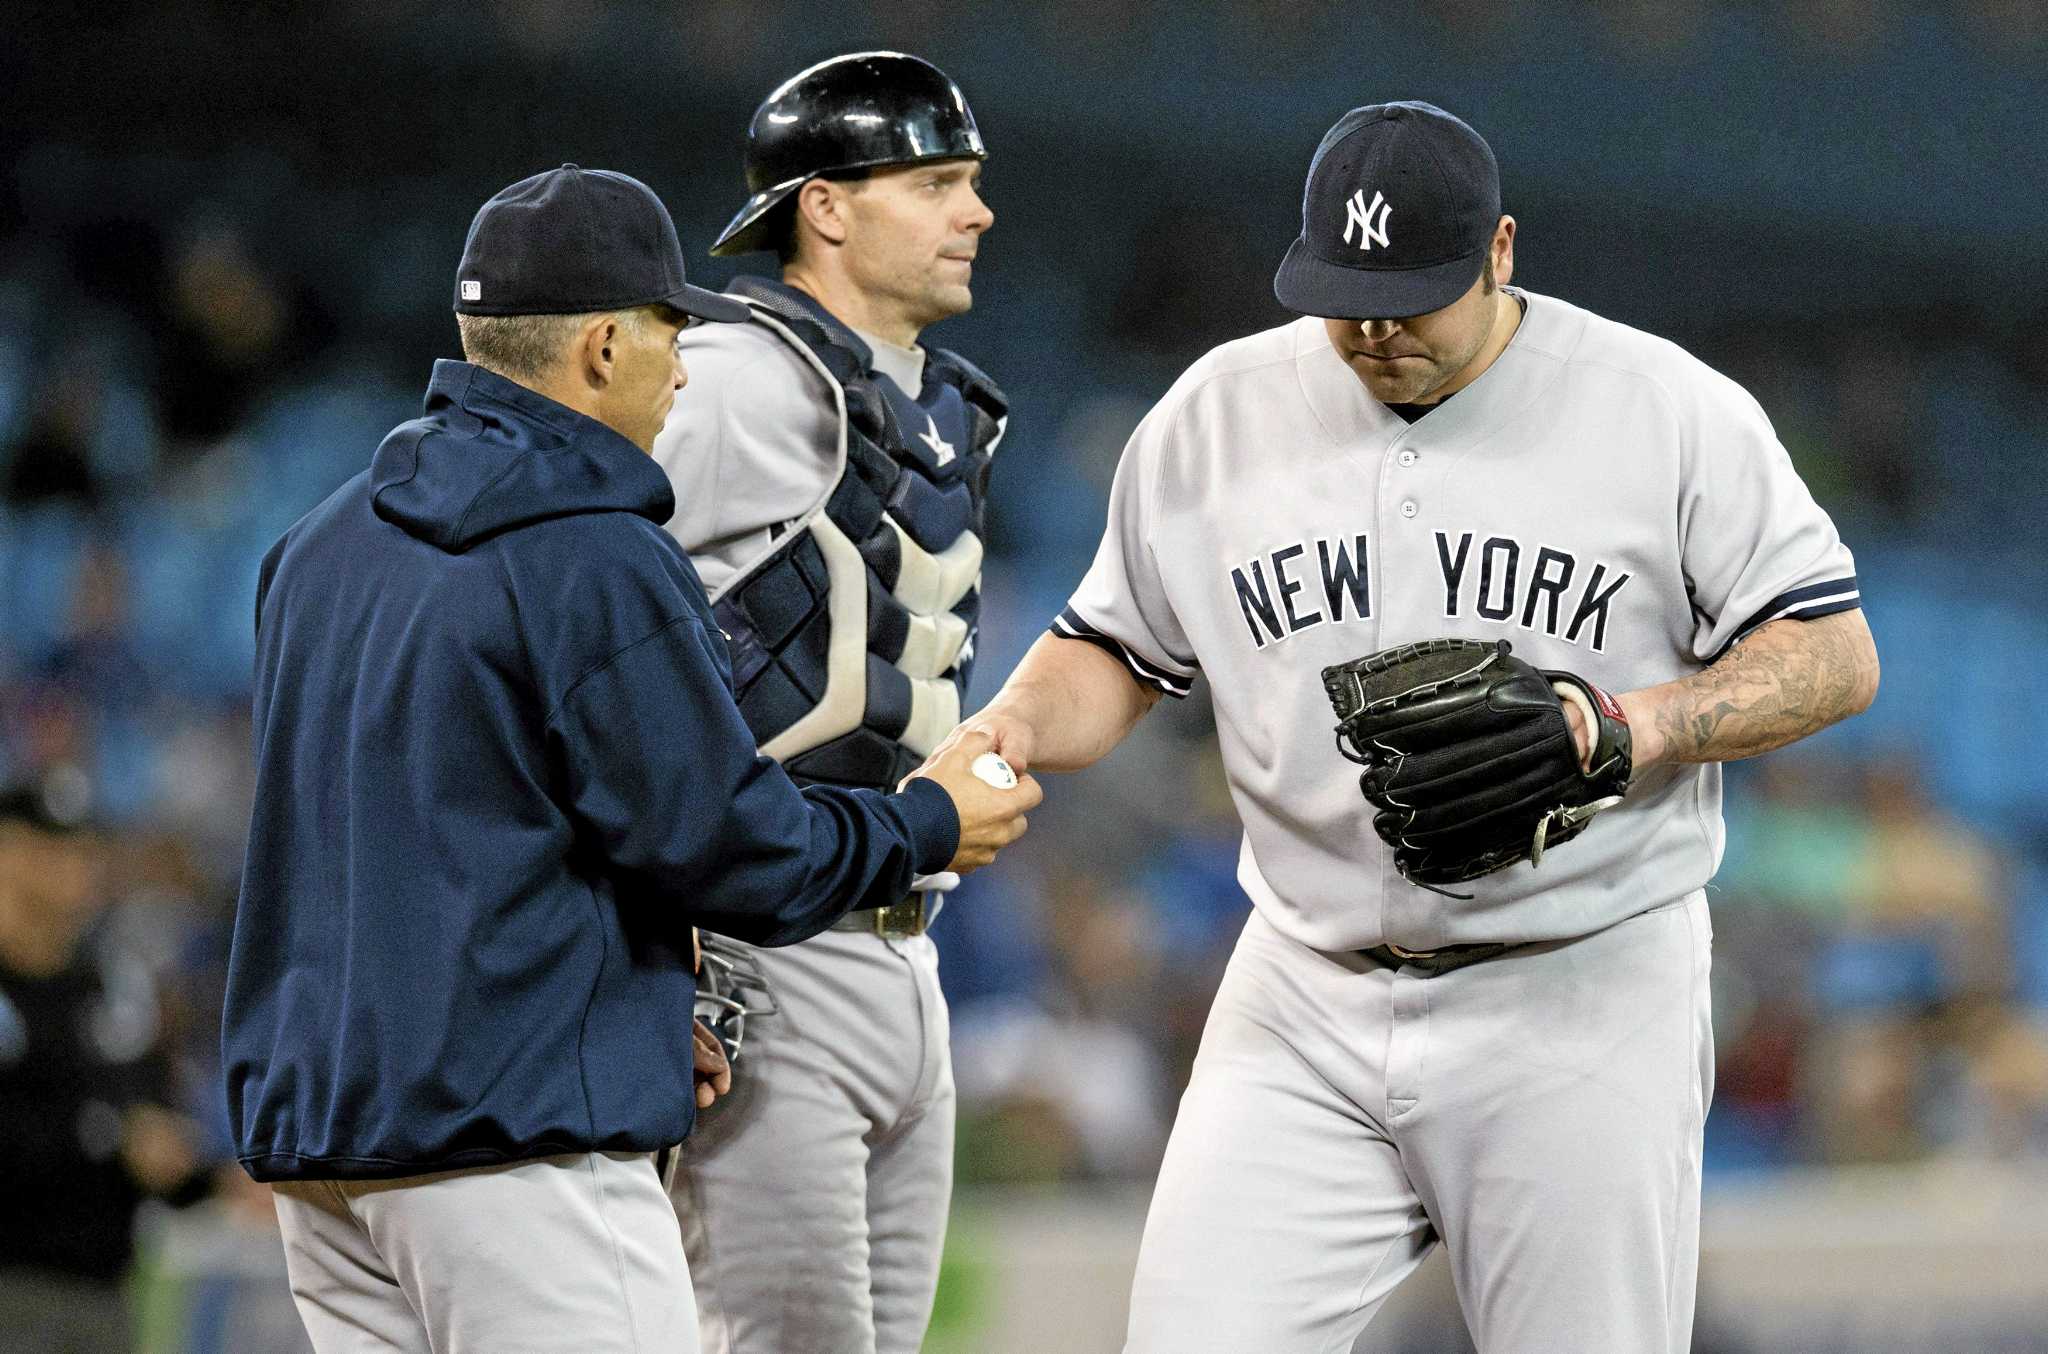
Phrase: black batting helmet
[851,112]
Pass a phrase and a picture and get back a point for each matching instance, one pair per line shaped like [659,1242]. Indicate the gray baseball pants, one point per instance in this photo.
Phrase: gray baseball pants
[1539,1113]
[813,1198]
[559,1255]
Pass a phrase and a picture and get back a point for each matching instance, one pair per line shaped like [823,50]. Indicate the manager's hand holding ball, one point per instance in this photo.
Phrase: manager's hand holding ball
[990,798]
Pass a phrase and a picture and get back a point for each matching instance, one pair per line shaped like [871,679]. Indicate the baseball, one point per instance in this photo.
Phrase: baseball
[991,769]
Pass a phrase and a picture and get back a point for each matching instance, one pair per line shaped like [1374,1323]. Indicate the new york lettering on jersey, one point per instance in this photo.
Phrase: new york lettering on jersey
[1341,568]
[1320,580]
[1620,514]
[1269,518]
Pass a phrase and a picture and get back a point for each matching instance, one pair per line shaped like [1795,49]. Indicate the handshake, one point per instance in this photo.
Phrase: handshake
[988,793]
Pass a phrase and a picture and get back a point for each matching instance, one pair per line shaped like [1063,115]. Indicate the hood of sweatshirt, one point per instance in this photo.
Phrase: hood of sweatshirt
[487,454]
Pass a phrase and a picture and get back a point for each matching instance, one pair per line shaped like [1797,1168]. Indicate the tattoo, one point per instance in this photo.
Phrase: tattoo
[1785,681]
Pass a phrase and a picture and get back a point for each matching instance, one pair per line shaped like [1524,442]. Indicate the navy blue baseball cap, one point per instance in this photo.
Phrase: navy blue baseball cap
[572,241]
[1401,205]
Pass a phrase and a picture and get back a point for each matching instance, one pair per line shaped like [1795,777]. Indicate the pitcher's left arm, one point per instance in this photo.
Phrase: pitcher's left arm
[1785,681]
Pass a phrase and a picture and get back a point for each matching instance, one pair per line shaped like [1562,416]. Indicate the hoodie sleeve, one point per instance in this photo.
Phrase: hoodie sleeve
[663,771]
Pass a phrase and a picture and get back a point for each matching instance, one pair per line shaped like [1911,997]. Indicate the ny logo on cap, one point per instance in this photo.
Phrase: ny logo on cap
[1360,216]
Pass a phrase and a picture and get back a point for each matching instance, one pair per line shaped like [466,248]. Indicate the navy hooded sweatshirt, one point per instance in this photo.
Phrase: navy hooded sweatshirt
[499,774]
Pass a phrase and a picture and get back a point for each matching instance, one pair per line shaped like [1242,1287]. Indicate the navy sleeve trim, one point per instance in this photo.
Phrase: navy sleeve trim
[1809,603]
[1069,625]
[1785,604]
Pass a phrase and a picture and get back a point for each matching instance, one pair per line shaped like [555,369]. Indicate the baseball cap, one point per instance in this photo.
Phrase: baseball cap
[1402,201]
[574,240]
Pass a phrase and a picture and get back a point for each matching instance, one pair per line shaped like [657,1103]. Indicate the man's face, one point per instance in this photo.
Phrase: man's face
[912,234]
[1425,357]
[646,374]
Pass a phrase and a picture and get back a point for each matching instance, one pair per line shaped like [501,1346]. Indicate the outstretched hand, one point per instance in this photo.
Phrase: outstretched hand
[990,818]
[1010,738]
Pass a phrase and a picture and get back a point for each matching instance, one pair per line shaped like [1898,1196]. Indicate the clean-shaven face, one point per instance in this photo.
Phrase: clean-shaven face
[647,373]
[912,234]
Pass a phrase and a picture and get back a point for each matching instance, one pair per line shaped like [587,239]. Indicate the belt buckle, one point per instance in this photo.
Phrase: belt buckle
[901,919]
[1412,955]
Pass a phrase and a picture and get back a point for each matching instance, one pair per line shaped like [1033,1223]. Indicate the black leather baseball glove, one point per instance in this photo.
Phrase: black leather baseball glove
[1468,757]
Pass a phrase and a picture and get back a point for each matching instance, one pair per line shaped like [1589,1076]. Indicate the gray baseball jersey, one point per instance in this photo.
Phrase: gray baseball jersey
[752,442]
[1598,497]
[814,1198]
[1611,507]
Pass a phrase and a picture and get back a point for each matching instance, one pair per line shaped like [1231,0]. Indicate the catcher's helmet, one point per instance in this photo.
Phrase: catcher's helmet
[851,112]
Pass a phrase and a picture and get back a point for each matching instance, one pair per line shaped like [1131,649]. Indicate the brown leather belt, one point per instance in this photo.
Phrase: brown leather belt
[907,918]
[1432,962]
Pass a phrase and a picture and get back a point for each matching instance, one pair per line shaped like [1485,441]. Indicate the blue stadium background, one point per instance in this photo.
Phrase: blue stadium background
[227,238]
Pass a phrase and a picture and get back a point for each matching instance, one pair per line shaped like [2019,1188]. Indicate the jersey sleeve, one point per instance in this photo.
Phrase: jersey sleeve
[1756,546]
[749,445]
[1121,605]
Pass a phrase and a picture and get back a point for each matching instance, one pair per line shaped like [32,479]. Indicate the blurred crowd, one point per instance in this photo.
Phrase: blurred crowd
[210,310]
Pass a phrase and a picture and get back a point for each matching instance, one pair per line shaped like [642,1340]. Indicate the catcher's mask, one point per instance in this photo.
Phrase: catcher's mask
[731,989]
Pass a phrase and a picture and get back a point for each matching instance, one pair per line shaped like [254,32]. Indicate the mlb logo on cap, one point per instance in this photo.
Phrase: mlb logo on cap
[472,290]
[1410,162]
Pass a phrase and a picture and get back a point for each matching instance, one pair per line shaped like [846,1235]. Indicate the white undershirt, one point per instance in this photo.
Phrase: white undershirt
[904,366]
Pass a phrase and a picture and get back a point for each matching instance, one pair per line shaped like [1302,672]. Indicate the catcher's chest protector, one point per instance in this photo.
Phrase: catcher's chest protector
[853,639]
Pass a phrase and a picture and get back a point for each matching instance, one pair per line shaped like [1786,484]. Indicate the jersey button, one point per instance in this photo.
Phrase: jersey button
[1408,509]
[1407,456]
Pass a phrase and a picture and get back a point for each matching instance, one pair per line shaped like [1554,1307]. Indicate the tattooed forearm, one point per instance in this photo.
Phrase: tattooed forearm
[1787,680]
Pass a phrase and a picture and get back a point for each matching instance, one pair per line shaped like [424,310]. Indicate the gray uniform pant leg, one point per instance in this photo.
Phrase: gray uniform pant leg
[1570,1191]
[813,1198]
[1541,1112]
[572,1254]
[1282,1215]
